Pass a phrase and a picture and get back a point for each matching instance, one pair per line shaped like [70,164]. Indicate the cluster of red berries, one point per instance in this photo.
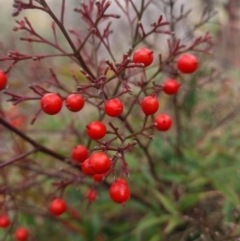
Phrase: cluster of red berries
[51,103]
[21,233]
[186,63]
[98,165]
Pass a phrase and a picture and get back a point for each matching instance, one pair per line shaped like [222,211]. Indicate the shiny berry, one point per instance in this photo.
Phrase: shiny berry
[80,153]
[75,102]
[21,234]
[98,177]
[114,107]
[187,63]
[171,86]
[163,122]
[3,80]
[143,56]
[96,130]
[51,103]
[91,195]
[86,169]
[119,192]
[99,162]
[150,105]
[122,180]
[4,221]
[57,206]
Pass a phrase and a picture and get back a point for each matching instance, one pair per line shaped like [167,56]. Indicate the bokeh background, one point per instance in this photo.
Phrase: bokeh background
[198,162]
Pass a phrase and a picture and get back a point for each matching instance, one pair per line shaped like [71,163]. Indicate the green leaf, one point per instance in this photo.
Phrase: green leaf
[166,202]
[187,201]
[173,223]
[228,192]
[156,237]
[149,222]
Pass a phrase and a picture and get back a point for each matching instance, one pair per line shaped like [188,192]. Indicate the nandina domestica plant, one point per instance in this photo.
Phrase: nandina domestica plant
[94,114]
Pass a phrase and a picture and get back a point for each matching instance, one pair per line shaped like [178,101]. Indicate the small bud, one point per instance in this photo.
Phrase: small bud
[109,2]
[104,143]
[15,13]
[118,155]
[130,92]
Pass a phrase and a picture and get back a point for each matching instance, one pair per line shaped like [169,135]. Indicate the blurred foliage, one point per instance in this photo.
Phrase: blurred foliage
[197,163]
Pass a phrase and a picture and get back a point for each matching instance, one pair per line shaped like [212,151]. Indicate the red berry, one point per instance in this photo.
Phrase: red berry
[150,105]
[96,130]
[57,206]
[21,234]
[187,63]
[80,153]
[143,56]
[4,221]
[114,107]
[75,102]
[98,177]
[51,103]
[119,192]
[86,169]
[91,195]
[99,162]
[171,86]
[122,180]
[3,80]
[164,122]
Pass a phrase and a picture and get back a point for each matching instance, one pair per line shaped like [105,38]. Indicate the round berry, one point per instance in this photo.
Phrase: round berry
[119,192]
[57,206]
[21,234]
[164,122]
[96,130]
[171,86]
[98,177]
[75,102]
[150,105]
[114,107]
[91,195]
[143,56]
[4,221]
[80,153]
[187,63]
[99,162]
[86,169]
[122,180]
[51,103]
[3,80]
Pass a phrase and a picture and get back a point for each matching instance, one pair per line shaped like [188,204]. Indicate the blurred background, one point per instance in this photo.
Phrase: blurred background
[198,160]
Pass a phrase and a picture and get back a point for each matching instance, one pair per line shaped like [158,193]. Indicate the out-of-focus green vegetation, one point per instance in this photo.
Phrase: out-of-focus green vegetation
[197,163]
